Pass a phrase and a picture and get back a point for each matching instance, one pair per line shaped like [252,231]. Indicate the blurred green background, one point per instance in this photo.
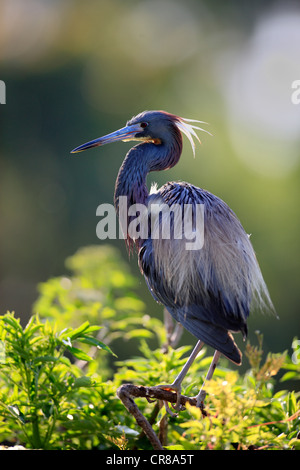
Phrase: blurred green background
[76,70]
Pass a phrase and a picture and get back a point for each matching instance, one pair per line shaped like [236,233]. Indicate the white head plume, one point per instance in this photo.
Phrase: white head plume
[189,130]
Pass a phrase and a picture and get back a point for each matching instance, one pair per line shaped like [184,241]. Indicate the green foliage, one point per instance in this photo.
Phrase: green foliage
[244,412]
[42,392]
[100,290]
[59,374]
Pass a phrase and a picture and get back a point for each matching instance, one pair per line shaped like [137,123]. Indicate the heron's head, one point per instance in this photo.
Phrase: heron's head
[149,126]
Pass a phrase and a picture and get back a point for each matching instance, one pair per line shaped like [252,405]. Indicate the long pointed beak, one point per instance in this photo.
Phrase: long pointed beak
[126,133]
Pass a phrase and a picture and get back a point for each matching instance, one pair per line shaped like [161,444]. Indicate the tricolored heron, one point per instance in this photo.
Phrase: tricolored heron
[211,290]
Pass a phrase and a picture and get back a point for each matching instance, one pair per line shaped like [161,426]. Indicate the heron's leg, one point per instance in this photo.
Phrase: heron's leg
[175,337]
[173,333]
[169,325]
[201,395]
[176,385]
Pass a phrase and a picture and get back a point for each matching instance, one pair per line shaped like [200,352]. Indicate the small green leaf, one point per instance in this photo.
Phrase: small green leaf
[44,359]
[95,342]
[139,333]
[83,382]
[13,322]
[79,354]
[92,328]
[78,331]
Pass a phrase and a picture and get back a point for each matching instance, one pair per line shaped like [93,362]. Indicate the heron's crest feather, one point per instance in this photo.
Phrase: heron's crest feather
[189,130]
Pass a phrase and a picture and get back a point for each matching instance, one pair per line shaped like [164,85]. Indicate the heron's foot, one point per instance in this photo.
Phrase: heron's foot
[169,411]
[177,388]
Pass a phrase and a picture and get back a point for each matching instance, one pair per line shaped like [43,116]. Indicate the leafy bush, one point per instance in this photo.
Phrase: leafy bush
[59,374]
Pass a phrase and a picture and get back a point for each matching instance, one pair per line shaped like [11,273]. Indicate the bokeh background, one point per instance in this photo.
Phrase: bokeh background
[76,70]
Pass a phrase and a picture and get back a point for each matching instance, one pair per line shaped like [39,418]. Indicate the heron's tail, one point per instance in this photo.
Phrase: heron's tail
[214,336]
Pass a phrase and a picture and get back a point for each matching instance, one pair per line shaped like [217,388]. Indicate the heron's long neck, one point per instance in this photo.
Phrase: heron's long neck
[139,161]
[131,180]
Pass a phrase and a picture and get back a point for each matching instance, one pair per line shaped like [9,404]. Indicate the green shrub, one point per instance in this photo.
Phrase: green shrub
[59,374]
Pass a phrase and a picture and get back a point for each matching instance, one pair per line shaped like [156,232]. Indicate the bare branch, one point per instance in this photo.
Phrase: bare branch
[128,392]
[124,393]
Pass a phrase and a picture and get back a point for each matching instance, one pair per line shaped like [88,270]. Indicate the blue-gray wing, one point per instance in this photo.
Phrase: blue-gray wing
[207,286]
